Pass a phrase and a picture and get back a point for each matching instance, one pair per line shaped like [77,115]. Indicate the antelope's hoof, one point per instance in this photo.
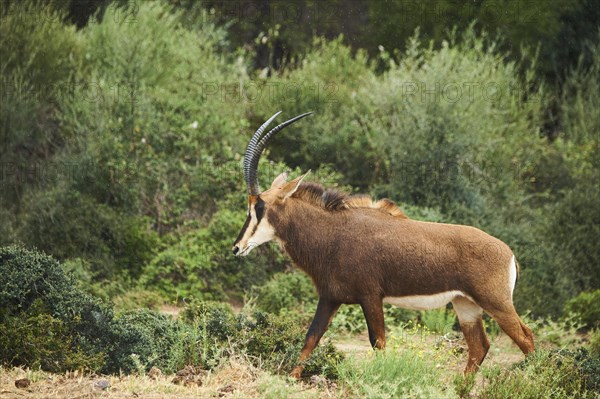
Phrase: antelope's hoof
[297,372]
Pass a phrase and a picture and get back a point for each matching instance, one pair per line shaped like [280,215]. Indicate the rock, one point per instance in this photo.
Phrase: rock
[102,384]
[318,380]
[22,383]
[155,373]
[178,380]
[322,382]
[188,376]
[224,390]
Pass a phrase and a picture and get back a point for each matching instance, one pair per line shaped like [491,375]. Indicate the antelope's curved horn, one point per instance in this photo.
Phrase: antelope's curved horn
[250,151]
[259,148]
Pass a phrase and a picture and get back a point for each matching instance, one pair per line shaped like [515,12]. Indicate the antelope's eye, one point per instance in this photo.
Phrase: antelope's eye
[259,208]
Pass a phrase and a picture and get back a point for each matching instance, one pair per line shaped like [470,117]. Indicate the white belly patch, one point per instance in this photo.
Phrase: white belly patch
[423,302]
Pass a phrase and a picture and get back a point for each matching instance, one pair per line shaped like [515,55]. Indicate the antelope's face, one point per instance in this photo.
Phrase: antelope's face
[256,229]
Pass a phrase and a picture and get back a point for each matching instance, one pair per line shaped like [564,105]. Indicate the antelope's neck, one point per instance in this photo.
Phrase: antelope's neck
[305,232]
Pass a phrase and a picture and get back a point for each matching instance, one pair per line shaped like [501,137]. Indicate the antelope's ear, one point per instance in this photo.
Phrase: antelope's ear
[280,180]
[290,187]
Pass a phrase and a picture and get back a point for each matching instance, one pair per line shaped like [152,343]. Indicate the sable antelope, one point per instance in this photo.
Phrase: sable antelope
[360,251]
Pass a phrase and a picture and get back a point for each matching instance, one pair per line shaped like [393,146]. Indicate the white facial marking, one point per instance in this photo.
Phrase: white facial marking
[255,235]
[264,233]
[512,275]
[424,302]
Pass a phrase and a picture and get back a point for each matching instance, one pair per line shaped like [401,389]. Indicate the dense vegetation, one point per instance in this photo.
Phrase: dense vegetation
[121,159]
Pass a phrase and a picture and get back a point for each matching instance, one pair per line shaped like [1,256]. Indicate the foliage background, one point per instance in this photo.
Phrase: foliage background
[123,126]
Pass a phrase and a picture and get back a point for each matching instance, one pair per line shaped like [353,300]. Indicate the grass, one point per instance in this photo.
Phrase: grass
[418,363]
[393,374]
[236,379]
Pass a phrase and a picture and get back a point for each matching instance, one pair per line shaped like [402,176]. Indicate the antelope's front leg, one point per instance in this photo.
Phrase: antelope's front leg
[373,310]
[325,311]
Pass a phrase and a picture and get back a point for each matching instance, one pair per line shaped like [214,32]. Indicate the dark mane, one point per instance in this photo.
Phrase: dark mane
[314,193]
[333,200]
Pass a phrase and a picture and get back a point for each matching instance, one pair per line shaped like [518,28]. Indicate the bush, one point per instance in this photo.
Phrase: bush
[588,366]
[349,318]
[70,224]
[135,299]
[35,339]
[556,374]
[274,342]
[36,75]
[30,277]
[586,308]
[200,263]
[141,339]
[216,318]
[270,341]
[594,344]
[85,332]
[287,291]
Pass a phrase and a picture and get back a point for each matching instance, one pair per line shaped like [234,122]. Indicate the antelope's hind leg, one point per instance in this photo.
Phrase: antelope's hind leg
[325,312]
[511,324]
[470,318]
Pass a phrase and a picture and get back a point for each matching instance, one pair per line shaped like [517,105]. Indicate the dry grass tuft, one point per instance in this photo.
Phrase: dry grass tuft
[235,379]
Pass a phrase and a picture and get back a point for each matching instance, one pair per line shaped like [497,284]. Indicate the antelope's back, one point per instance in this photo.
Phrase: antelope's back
[411,257]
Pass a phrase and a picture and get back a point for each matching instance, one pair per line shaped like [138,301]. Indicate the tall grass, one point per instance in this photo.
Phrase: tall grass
[392,374]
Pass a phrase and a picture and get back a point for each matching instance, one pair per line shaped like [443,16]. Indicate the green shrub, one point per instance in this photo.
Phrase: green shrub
[129,119]
[557,374]
[195,345]
[438,320]
[588,366]
[35,339]
[573,227]
[29,276]
[24,31]
[292,290]
[200,263]
[85,332]
[349,318]
[68,224]
[560,333]
[36,75]
[580,94]
[463,384]
[137,298]
[216,318]
[395,315]
[595,342]
[274,342]
[586,308]
[141,338]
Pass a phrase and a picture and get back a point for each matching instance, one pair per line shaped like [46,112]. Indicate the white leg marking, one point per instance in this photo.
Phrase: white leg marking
[512,275]
[424,302]
[467,310]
